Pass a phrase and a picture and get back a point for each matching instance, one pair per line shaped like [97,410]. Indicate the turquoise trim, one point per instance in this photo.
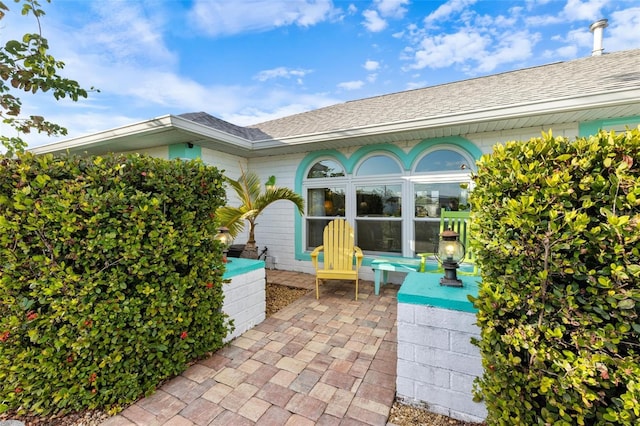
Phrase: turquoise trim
[366,150]
[458,141]
[304,165]
[238,266]
[182,151]
[593,127]
[423,288]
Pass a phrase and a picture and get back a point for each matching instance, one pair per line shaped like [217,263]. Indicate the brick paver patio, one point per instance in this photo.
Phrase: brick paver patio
[316,362]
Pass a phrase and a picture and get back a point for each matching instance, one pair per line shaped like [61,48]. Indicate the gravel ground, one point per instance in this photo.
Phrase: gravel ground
[278,296]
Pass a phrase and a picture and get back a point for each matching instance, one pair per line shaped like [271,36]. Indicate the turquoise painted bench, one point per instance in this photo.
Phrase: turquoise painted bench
[381,268]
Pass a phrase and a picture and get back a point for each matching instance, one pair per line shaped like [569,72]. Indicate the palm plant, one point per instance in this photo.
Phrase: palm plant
[254,201]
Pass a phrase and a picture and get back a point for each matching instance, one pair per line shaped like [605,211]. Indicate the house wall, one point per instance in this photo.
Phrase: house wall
[231,166]
[275,227]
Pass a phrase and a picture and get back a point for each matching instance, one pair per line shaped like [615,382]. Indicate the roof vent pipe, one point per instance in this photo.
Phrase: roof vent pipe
[597,28]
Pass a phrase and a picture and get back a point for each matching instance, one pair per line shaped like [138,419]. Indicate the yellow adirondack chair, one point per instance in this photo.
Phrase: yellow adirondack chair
[339,254]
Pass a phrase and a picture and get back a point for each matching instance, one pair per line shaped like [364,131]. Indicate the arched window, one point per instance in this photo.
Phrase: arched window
[325,169]
[442,160]
[393,198]
[441,180]
[378,165]
[326,197]
[378,218]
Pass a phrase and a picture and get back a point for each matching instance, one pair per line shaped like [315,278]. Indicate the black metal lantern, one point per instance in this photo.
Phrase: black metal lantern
[225,239]
[450,253]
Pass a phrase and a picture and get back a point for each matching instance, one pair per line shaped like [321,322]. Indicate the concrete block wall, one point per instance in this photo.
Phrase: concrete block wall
[437,363]
[245,301]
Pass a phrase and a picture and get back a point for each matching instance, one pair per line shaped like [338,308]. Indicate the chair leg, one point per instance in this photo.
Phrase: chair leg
[356,289]
[317,289]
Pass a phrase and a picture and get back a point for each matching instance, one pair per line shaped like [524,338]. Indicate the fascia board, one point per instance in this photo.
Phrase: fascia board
[96,139]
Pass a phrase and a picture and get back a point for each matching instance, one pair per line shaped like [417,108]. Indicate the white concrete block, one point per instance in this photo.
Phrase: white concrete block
[444,318]
[423,374]
[406,313]
[405,351]
[461,343]
[424,336]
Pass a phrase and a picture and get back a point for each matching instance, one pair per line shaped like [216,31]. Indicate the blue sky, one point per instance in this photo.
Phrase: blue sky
[249,61]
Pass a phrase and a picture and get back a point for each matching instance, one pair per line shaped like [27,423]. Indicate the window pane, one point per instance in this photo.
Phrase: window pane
[326,169]
[379,235]
[378,165]
[442,160]
[427,233]
[379,200]
[315,228]
[430,199]
[325,202]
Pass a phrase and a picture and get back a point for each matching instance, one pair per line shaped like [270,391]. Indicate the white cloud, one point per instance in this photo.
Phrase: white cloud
[391,8]
[371,78]
[373,22]
[351,85]
[577,10]
[445,50]
[370,65]
[622,33]
[280,72]
[510,49]
[221,17]
[286,103]
[415,85]
[446,11]
[127,33]
[574,10]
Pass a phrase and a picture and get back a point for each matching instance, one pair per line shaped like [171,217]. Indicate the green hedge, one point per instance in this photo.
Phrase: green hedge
[110,280]
[556,225]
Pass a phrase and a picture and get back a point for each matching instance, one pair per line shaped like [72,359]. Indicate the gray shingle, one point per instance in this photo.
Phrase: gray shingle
[591,75]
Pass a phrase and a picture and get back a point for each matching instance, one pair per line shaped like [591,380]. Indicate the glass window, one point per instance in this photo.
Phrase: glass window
[442,160]
[323,204]
[378,165]
[378,218]
[393,211]
[325,169]
[429,200]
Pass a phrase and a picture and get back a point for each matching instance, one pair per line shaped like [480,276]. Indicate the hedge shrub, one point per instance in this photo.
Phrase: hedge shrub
[556,225]
[110,280]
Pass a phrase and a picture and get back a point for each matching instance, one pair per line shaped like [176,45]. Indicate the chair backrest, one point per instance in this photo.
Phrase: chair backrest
[338,241]
[460,223]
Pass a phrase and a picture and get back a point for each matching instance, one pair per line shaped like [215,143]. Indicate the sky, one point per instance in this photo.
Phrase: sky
[250,61]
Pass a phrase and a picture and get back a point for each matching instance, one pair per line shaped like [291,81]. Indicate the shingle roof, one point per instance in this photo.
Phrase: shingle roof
[591,75]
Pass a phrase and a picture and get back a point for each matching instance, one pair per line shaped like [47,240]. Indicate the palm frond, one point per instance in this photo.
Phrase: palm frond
[232,218]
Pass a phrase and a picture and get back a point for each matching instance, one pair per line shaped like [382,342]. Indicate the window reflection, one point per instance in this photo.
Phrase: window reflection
[326,202]
[326,169]
[381,200]
[378,165]
[430,199]
[379,236]
[442,160]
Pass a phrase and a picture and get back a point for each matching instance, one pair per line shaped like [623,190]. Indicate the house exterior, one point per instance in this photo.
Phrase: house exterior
[390,163]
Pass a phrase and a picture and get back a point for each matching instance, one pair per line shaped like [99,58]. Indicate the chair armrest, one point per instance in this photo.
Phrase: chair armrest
[314,255]
[359,256]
